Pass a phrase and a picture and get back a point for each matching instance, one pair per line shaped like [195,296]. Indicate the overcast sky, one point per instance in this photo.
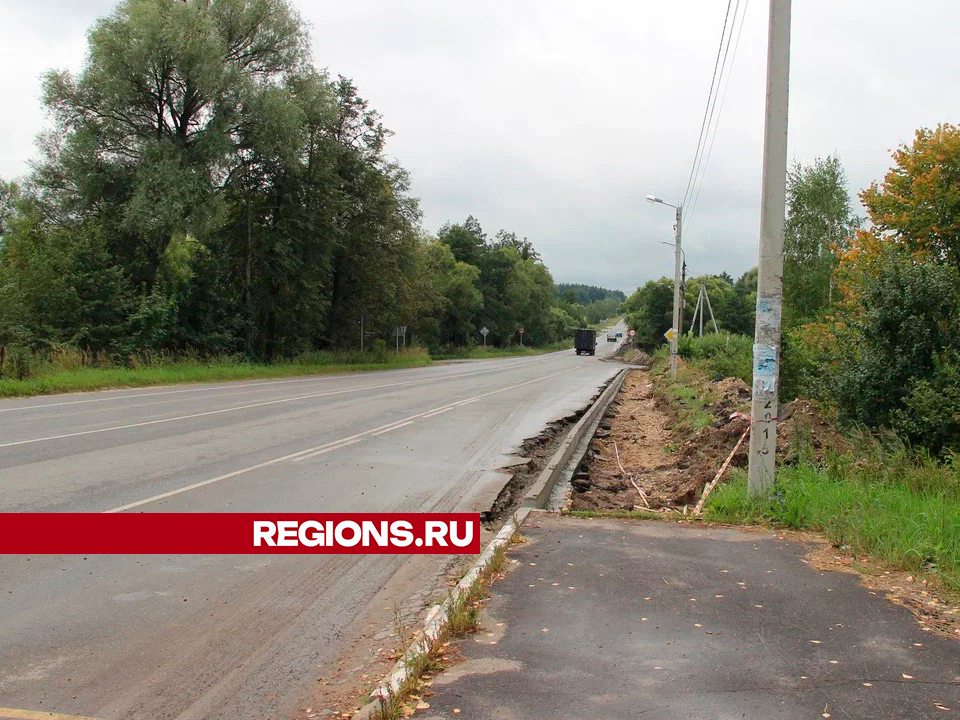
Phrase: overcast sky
[555,118]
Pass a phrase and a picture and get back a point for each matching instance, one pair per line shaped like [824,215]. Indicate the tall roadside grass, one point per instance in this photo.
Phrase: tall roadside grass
[70,371]
[900,506]
[721,355]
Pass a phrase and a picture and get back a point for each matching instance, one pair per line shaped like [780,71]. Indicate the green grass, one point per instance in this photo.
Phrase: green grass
[478,352]
[905,513]
[689,396]
[55,379]
[881,498]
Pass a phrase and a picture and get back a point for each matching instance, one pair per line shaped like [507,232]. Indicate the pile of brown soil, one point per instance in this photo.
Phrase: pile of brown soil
[633,356]
[806,433]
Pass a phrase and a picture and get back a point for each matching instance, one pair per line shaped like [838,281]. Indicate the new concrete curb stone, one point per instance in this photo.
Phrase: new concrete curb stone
[586,426]
[437,618]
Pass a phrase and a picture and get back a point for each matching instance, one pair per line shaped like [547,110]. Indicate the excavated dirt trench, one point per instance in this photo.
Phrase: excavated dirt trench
[634,447]
[637,460]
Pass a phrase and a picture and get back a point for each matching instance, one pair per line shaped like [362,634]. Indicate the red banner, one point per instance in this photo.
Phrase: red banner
[239,533]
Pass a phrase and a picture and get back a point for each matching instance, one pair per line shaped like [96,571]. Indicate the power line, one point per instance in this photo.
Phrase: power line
[723,97]
[712,99]
[703,123]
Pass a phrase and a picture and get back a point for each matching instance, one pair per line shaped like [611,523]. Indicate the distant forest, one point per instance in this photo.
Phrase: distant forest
[598,303]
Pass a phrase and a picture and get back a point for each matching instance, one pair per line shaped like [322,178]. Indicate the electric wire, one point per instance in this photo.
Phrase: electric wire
[703,123]
[723,97]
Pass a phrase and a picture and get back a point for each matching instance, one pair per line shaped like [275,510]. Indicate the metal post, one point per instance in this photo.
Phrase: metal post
[361,332]
[766,348]
[676,296]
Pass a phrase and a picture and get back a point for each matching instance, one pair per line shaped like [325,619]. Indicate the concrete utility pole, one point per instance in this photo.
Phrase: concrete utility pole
[766,347]
[674,342]
[683,294]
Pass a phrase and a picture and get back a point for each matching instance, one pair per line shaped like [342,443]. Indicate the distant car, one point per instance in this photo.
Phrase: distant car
[619,334]
[611,337]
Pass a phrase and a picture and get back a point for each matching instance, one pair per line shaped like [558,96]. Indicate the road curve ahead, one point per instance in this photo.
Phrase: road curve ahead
[198,637]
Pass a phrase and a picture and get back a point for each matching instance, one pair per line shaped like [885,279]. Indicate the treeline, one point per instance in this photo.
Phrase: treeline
[204,189]
[871,310]
[598,303]
[650,309]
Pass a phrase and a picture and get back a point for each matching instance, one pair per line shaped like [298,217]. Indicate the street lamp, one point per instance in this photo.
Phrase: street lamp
[677,250]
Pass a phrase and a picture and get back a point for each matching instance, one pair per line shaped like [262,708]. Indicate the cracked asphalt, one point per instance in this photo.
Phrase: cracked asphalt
[625,619]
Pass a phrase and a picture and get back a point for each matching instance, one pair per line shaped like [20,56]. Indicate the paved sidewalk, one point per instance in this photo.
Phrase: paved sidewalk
[651,620]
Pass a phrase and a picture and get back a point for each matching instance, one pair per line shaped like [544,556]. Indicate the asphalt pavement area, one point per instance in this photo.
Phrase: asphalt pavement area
[654,620]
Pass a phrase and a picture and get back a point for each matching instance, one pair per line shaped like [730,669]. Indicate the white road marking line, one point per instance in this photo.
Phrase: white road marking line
[467,402]
[437,412]
[303,454]
[326,450]
[229,386]
[392,428]
[244,407]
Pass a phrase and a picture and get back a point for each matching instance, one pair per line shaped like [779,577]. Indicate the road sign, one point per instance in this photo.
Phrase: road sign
[671,334]
[632,333]
[521,331]
[484,331]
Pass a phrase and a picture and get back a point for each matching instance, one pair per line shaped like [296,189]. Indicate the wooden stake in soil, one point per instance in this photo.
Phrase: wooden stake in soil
[643,495]
[716,478]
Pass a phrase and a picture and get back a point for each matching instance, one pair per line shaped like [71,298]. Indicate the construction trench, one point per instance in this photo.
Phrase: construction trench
[639,460]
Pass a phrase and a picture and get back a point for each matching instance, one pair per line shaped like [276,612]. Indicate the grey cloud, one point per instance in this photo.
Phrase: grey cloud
[554,118]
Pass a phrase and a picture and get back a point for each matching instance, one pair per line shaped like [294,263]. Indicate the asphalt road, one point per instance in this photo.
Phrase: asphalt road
[237,637]
[609,618]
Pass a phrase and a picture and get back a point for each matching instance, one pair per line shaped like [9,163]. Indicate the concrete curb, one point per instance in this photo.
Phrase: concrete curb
[437,618]
[586,426]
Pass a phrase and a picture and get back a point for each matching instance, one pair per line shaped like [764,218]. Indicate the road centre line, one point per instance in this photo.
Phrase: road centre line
[247,407]
[326,450]
[225,386]
[392,428]
[317,450]
[437,412]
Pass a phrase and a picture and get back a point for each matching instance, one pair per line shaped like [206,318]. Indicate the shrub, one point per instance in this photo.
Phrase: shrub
[722,354]
[19,364]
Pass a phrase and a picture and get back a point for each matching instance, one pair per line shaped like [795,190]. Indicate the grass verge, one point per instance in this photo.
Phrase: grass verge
[687,396]
[879,498]
[478,352]
[906,516]
[54,379]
